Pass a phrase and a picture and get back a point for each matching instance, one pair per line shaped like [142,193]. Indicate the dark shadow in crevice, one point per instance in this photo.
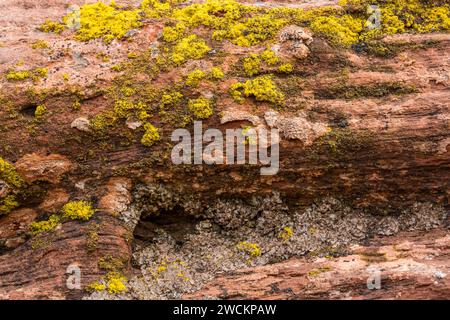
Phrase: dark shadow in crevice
[29,109]
[174,222]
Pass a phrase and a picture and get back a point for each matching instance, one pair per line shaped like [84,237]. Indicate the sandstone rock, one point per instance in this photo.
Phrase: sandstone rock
[54,200]
[232,114]
[131,33]
[13,243]
[297,128]
[294,42]
[118,197]
[271,118]
[28,273]
[133,124]
[406,161]
[16,223]
[82,124]
[49,168]
[419,273]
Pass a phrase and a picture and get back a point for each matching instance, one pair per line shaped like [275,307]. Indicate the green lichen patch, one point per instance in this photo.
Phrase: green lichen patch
[379,90]
[92,237]
[343,143]
[316,272]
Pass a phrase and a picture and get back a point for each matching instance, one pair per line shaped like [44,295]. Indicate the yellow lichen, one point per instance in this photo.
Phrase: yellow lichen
[40,111]
[201,108]
[216,73]
[191,47]
[170,99]
[39,44]
[103,120]
[252,64]
[44,226]
[20,75]
[172,34]
[78,210]
[51,26]
[159,8]
[9,175]
[40,72]
[286,68]
[315,272]
[193,79]
[132,55]
[262,88]
[269,57]
[286,233]
[7,204]
[97,286]
[109,22]
[151,135]
[247,25]
[252,249]
[116,283]
[113,283]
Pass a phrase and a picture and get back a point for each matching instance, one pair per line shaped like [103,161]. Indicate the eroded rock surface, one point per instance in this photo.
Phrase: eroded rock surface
[49,168]
[408,266]
[363,182]
[294,42]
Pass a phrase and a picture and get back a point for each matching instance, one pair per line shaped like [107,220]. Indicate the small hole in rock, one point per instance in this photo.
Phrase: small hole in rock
[175,222]
[29,109]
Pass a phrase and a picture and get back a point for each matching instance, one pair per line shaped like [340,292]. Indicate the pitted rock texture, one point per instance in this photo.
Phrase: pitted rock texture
[294,42]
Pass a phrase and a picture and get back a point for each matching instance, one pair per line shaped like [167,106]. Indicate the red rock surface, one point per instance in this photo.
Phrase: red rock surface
[410,266]
[390,152]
